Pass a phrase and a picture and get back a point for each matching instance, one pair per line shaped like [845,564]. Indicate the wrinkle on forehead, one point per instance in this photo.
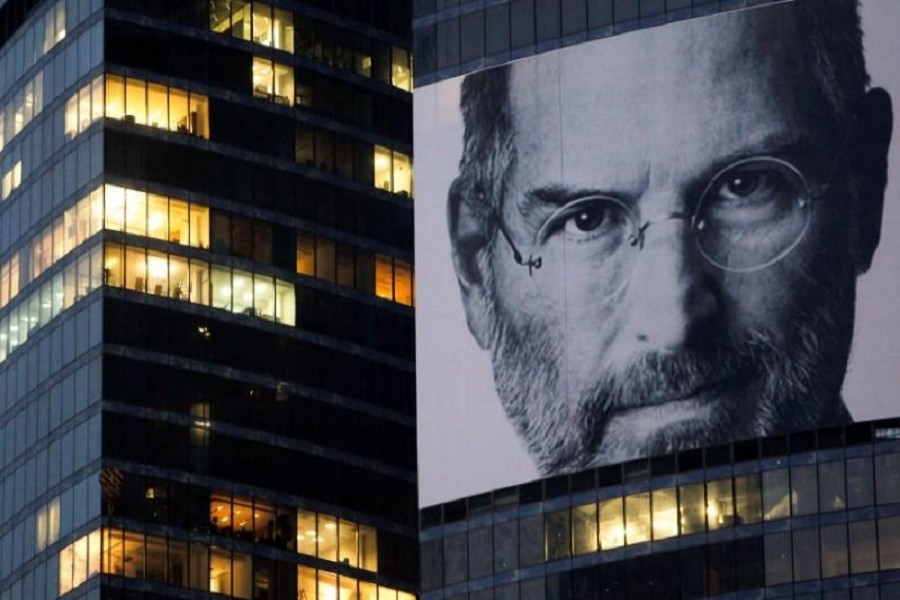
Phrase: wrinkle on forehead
[649,107]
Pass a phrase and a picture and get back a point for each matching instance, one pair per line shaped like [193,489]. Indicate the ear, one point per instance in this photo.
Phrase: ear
[868,154]
[470,233]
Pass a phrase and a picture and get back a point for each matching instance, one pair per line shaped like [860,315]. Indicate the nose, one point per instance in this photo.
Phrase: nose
[671,302]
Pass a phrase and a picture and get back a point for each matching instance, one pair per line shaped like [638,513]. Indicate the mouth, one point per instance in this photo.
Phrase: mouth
[692,399]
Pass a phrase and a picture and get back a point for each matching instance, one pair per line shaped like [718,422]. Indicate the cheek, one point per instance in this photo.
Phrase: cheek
[768,300]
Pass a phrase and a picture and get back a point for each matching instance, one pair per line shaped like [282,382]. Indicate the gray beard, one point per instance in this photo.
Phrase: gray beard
[787,388]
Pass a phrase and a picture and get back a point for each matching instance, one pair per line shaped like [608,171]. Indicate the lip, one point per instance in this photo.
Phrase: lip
[701,394]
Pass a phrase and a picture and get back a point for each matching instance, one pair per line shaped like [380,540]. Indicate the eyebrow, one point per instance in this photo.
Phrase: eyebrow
[791,146]
[555,196]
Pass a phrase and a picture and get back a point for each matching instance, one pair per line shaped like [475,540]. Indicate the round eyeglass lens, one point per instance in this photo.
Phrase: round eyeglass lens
[596,239]
[752,214]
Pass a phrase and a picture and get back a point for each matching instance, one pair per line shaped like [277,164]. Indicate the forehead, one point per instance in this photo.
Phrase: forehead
[658,103]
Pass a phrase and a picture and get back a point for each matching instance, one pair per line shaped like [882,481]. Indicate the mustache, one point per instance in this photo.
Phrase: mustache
[653,377]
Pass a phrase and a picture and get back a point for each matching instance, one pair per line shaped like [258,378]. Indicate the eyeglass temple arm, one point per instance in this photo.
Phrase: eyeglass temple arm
[533,263]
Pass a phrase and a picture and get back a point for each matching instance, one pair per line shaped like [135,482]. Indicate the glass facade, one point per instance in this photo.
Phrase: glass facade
[176,414]
[760,521]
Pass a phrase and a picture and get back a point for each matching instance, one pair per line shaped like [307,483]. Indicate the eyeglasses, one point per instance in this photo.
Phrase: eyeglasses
[750,215]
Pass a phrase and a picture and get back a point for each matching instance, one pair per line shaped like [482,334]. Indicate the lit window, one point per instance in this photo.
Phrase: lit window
[612,526]
[157,106]
[283,30]
[719,504]
[384,277]
[135,101]
[637,518]
[198,123]
[327,537]
[273,81]
[11,180]
[158,217]
[383,169]
[665,513]
[178,111]
[221,288]
[403,283]
[240,19]
[115,96]
[306,532]
[306,583]
[115,208]
[393,171]
[584,528]
[693,508]
[306,247]
[220,571]
[402,175]
[135,212]
[262,24]
[368,548]
[401,72]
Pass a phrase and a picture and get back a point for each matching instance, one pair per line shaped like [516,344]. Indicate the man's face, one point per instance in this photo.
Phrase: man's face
[599,360]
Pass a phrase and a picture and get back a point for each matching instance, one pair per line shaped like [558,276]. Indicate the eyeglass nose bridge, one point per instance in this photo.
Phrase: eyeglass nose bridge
[637,238]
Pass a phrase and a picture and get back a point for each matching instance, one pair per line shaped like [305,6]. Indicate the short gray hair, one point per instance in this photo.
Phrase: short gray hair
[835,51]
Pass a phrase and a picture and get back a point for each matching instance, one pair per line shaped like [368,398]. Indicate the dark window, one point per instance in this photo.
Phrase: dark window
[574,16]
[448,43]
[455,558]
[472,26]
[497,27]
[548,22]
[522,21]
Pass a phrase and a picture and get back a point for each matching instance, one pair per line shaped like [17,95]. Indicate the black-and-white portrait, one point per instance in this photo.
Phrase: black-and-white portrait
[653,242]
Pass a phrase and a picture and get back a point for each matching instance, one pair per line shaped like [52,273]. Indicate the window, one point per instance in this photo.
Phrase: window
[665,513]
[137,101]
[393,171]
[778,558]
[887,478]
[83,108]
[115,96]
[637,518]
[257,22]
[693,508]
[833,540]
[719,504]
[558,535]
[194,280]
[327,537]
[804,490]
[889,542]
[831,486]
[401,70]
[273,81]
[584,528]
[383,179]
[384,277]
[79,561]
[776,495]
[322,257]
[47,525]
[612,526]
[748,500]
[306,532]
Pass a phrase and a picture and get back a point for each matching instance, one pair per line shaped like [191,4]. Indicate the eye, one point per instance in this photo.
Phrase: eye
[754,192]
[588,219]
[753,184]
[744,184]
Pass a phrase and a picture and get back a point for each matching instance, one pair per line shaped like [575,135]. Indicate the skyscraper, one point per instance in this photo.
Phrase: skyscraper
[206,292]
[656,357]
